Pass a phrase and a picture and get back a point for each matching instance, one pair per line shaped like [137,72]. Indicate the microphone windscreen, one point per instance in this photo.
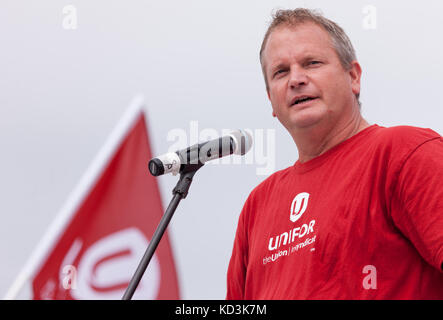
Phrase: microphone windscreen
[242,140]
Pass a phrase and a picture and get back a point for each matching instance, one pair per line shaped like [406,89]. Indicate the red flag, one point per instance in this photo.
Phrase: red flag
[107,232]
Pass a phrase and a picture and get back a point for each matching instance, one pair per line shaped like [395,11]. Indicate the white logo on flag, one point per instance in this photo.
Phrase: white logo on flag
[298,206]
[107,266]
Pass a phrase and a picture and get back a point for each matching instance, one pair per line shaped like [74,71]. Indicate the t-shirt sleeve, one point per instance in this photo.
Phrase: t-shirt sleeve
[417,203]
[236,275]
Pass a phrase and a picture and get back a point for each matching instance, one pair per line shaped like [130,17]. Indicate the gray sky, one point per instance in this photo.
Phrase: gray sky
[62,92]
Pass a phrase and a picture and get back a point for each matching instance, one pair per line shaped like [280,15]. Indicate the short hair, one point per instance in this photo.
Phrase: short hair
[292,18]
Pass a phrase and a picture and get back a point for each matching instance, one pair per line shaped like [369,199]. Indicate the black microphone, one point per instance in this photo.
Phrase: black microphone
[192,158]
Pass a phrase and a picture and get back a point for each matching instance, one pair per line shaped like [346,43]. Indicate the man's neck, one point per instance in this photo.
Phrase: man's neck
[315,141]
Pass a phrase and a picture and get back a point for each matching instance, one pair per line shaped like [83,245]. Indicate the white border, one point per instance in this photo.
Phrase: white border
[77,196]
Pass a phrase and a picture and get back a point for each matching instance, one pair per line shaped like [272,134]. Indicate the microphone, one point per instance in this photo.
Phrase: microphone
[192,158]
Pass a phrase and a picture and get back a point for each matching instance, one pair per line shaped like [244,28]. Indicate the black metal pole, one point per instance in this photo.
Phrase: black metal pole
[180,192]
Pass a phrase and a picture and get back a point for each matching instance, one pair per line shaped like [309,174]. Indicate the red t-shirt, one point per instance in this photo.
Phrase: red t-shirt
[364,220]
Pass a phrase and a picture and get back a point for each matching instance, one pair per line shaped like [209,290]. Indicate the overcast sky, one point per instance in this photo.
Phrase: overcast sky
[196,62]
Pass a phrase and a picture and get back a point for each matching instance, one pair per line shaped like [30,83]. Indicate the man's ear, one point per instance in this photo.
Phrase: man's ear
[355,74]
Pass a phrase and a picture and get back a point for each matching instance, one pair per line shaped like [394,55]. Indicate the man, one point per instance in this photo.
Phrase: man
[360,214]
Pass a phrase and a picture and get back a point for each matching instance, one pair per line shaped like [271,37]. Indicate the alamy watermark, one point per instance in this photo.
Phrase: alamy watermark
[369,21]
[370,281]
[262,153]
[69,21]
[69,277]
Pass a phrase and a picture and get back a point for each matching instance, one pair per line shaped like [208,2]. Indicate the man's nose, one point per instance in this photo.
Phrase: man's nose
[297,78]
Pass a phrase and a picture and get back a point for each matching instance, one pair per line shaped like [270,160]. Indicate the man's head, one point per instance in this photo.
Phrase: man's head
[305,54]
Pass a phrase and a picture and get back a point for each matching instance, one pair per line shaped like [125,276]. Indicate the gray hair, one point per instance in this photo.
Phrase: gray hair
[340,41]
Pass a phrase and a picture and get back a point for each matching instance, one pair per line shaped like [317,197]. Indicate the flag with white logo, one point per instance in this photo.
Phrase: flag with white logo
[97,241]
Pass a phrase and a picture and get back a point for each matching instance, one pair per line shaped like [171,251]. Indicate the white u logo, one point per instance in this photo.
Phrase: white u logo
[298,206]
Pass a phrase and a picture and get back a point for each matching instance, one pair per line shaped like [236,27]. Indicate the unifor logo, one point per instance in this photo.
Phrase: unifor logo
[106,266]
[299,205]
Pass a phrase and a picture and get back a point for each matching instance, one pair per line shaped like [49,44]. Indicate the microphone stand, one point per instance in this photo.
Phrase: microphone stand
[179,192]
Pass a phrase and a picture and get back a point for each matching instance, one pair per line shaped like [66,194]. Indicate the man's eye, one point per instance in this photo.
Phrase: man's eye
[279,72]
[314,62]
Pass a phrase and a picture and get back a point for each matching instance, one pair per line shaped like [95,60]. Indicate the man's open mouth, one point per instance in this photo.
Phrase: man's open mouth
[303,99]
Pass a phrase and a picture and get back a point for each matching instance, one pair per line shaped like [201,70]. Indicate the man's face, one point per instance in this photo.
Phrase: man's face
[301,62]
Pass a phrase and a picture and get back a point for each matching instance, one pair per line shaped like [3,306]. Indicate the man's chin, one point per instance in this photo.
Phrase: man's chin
[306,117]
[304,121]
